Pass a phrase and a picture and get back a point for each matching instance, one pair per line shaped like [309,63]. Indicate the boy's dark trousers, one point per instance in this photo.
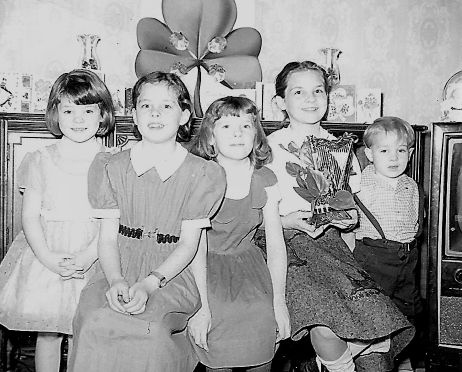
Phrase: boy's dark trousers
[393,266]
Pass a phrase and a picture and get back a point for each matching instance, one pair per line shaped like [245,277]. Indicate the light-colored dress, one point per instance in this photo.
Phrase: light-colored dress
[156,340]
[243,330]
[33,298]
[331,289]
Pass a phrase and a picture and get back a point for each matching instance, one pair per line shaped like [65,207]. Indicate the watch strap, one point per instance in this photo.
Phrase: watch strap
[162,279]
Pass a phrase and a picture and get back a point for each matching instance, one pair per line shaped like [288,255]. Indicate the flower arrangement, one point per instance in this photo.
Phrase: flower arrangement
[322,176]
[198,34]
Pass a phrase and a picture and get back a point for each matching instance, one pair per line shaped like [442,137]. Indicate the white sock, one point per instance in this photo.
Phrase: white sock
[405,365]
[343,364]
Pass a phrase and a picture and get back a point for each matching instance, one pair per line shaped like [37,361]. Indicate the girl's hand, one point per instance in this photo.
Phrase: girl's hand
[199,326]
[300,220]
[54,261]
[117,295]
[282,318]
[81,263]
[347,224]
[139,296]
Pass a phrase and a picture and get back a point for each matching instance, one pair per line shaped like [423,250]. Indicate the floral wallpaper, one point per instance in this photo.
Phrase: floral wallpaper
[408,49]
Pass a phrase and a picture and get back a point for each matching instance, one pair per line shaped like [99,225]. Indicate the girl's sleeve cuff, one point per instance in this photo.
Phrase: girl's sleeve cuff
[197,224]
[106,213]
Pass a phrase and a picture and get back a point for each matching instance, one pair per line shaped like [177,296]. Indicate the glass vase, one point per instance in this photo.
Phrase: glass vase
[330,63]
[89,58]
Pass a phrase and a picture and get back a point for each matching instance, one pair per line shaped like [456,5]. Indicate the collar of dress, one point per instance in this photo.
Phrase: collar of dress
[142,161]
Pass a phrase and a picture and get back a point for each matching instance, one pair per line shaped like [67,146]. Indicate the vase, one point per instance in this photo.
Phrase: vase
[89,58]
[330,63]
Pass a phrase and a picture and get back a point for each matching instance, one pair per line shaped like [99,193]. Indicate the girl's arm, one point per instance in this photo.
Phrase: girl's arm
[31,207]
[109,257]
[199,324]
[277,264]
[175,263]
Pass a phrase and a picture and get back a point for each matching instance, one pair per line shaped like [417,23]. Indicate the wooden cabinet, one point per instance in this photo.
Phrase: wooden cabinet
[445,249]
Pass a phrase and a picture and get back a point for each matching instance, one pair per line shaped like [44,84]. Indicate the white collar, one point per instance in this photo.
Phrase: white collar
[142,161]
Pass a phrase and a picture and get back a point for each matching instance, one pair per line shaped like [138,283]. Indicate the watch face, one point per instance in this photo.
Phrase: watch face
[162,282]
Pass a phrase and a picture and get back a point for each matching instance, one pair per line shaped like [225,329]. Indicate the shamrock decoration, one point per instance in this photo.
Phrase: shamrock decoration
[198,34]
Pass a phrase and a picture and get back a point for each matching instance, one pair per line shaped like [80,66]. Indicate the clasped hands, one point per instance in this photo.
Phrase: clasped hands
[68,265]
[130,300]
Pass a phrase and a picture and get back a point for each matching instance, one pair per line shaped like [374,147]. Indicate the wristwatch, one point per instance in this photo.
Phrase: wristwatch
[162,279]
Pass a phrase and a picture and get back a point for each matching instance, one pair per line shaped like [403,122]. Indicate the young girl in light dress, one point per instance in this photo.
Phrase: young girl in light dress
[352,324]
[157,198]
[246,294]
[50,261]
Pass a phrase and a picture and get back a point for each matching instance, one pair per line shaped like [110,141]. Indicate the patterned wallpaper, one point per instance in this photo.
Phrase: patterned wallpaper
[408,48]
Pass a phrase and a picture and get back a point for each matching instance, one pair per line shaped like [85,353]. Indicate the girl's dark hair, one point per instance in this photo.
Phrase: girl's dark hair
[232,106]
[82,87]
[282,78]
[176,84]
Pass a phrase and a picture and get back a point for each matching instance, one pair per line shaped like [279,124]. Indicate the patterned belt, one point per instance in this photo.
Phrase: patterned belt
[139,233]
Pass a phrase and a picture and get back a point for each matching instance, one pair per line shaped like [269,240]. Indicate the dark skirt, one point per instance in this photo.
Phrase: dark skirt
[328,288]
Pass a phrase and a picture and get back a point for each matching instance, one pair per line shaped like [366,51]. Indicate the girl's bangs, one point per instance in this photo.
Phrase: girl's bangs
[81,94]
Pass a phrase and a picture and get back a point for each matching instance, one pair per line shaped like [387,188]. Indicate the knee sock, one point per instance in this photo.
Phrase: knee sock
[405,366]
[343,364]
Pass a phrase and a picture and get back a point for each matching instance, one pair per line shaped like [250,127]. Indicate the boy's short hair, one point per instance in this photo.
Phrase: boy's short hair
[387,124]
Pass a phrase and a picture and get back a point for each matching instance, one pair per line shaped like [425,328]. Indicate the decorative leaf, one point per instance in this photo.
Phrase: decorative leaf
[151,60]
[304,194]
[200,20]
[342,200]
[241,71]
[293,169]
[245,41]
[293,148]
[154,35]
[311,182]
[321,181]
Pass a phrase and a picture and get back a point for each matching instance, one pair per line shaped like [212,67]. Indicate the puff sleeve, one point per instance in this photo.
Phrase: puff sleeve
[28,175]
[101,194]
[264,178]
[207,194]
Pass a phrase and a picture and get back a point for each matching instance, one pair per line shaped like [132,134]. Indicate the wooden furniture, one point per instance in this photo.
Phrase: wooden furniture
[445,249]
[22,133]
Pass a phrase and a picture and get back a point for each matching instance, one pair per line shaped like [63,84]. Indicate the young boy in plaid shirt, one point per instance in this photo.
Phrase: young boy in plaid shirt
[390,216]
